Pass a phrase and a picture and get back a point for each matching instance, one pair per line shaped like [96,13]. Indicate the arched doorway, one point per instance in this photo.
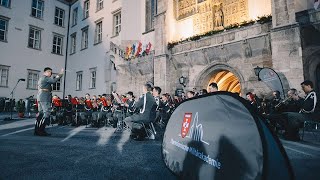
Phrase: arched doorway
[228,78]
[226,81]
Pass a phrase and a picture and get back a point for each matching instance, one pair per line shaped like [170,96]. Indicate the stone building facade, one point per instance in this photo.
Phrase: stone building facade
[289,45]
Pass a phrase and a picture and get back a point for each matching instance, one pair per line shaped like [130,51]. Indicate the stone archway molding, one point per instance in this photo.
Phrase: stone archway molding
[206,74]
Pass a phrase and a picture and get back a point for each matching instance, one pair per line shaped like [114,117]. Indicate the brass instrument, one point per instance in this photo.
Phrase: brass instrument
[282,102]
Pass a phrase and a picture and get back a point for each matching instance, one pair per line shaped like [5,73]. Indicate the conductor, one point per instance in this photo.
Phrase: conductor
[44,98]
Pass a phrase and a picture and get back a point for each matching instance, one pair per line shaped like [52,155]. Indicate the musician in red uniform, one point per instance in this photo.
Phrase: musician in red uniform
[87,114]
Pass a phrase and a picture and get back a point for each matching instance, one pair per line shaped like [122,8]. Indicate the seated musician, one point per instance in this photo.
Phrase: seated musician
[165,110]
[105,113]
[56,108]
[96,111]
[156,94]
[130,104]
[147,106]
[291,121]
[118,110]
[88,107]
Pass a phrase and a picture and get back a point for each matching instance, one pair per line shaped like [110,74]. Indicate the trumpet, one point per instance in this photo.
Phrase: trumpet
[282,102]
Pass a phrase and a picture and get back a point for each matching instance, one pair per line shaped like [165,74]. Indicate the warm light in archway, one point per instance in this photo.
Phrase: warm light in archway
[226,81]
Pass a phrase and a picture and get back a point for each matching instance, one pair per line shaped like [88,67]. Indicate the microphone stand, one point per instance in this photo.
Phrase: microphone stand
[11,107]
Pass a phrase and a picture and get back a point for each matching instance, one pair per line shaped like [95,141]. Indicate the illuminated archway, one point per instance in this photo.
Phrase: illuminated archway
[226,81]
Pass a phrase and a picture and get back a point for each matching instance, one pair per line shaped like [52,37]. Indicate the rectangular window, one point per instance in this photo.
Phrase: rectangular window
[99,5]
[3,29]
[33,77]
[57,44]
[116,23]
[73,44]
[79,81]
[98,33]
[59,17]
[4,73]
[34,38]
[37,8]
[56,86]
[86,9]
[84,40]
[93,78]
[5,3]
[74,16]
[151,11]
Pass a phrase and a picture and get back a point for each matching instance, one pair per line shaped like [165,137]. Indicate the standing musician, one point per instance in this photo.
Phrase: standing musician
[44,98]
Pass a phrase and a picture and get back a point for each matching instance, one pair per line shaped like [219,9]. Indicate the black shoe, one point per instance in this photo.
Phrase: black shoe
[138,138]
[291,137]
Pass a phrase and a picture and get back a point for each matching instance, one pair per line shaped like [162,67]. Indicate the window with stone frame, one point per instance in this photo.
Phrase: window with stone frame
[84,38]
[73,44]
[57,44]
[37,8]
[93,78]
[5,3]
[98,32]
[33,77]
[79,81]
[151,11]
[34,37]
[99,5]
[3,28]
[75,16]
[59,17]
[4,73]
[116,23]
[56,86]
[86,6]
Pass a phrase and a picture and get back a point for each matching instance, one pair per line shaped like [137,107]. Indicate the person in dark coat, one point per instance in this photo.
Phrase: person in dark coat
[44,98]
[147,106]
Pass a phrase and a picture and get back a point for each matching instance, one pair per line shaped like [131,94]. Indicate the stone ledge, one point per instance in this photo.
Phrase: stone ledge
[226,37]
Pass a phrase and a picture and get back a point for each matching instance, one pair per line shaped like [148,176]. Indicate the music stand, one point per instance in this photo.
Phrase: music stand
[11,108]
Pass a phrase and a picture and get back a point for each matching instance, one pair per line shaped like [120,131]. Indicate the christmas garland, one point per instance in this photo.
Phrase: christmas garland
[260,20]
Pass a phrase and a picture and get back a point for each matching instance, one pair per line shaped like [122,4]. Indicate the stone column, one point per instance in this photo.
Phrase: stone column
[286,44]
[161,68]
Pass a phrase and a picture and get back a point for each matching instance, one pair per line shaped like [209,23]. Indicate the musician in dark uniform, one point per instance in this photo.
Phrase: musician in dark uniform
[44,98]
[147,106]
[130,104]
[292,120]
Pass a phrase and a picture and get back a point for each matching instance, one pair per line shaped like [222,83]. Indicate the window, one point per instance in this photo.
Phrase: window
[5,3]
[74,16]
[93,78]
[34,38]
[33,77]
[4,73]
[151,11]
[37,8]
[86,9]
[98,33]
[84,40]
[99,5]
[59,17]
[116,23]
[73,43]
[79,81]
[56,86]
[57,44]
[3,29]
